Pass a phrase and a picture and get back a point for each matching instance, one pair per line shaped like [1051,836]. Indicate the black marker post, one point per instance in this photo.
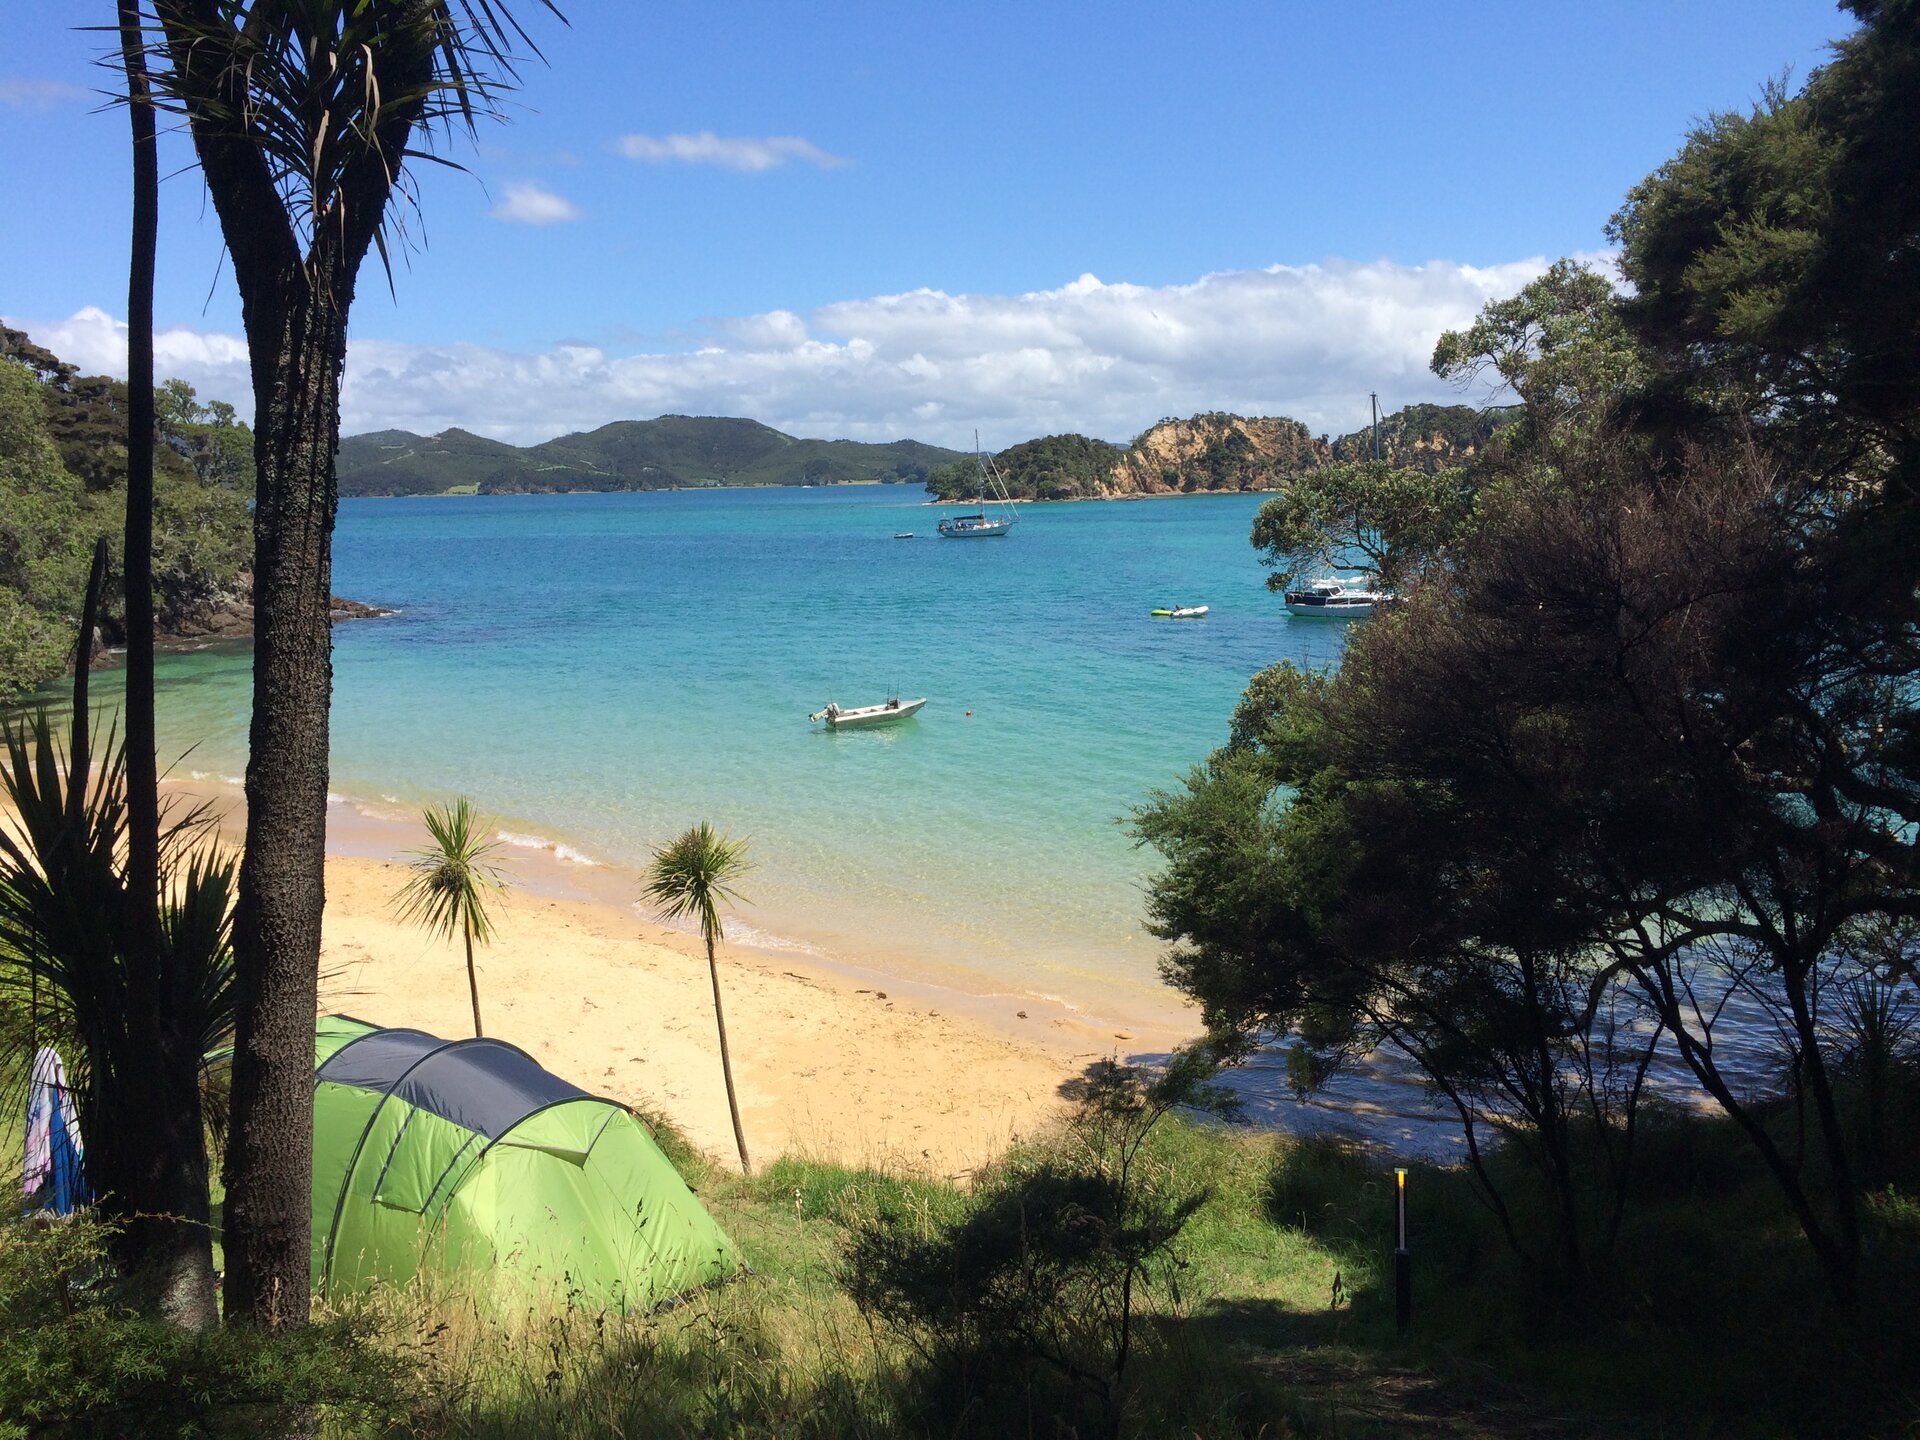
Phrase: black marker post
[1402,1257]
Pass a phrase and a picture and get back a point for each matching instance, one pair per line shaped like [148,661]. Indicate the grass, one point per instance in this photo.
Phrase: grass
[1278,1320]
[781,1351]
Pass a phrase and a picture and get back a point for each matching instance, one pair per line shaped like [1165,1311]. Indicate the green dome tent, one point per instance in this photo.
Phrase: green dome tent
[465,1158]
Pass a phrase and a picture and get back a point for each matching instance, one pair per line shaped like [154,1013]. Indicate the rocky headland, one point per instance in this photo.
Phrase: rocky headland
[1221,453]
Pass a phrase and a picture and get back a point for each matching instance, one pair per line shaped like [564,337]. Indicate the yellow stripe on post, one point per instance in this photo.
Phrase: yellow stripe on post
[1402,1257]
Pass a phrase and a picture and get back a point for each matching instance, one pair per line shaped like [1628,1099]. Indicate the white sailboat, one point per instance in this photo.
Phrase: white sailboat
[983,524]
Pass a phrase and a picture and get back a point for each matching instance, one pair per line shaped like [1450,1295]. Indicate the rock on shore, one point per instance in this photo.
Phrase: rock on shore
[229,616]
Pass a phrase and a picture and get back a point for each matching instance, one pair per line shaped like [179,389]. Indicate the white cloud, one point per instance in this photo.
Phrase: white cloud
[749,153]
[1101,359]
[96,344]
[27,94]
[529,204]
[774,330]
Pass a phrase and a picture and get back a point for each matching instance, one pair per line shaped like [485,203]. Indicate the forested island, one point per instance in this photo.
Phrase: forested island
[674,452]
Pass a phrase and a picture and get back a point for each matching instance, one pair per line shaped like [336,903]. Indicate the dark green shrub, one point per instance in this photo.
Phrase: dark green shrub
[1041,1288]
[75,1360]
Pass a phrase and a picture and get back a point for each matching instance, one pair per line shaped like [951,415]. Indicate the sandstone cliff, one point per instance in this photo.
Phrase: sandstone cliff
[1216,452]
[1220,452]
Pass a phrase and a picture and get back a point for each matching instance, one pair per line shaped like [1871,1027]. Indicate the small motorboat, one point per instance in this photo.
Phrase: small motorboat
[1182,612]
[895,709]
[1336,599]
[903,534]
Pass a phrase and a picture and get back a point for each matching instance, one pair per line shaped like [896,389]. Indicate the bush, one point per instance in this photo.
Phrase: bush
[75,1360]
[1054,1261]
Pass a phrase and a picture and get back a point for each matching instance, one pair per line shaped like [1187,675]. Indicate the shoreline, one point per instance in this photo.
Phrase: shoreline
[1155,1021]
[832,1060]
[817,485]
[1101,499]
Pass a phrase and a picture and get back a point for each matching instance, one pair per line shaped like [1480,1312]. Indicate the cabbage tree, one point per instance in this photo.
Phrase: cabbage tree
[691,878]
[304,115]
[451,878]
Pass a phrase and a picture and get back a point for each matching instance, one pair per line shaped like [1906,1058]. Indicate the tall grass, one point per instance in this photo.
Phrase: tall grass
[1278,1321]
[781,1351]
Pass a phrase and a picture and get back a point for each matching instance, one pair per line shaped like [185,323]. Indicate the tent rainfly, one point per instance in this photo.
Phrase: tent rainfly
[465,1160]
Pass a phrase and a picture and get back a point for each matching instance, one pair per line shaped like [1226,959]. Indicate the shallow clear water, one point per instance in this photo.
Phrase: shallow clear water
[598,671]
[603,670]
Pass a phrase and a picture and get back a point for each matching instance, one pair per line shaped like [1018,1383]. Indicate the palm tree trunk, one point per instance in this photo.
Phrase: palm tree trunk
[79,747]
[296,289]
[297,336]
[726,1062]
[168,1240]
[473,985]
[143,805]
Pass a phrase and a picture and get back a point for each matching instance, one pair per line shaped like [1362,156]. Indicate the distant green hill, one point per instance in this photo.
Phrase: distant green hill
[673,452]
[1206,452]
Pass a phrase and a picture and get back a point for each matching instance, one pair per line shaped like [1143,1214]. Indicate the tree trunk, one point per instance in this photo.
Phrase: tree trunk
[726,1062]
[147,1157]
[168,1240]
[1837,1261]
[473,984]
[143,804]
[297,337]
[1843,1265]
[79,747]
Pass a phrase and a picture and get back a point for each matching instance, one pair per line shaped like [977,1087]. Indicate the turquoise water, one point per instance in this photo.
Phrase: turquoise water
[602,670]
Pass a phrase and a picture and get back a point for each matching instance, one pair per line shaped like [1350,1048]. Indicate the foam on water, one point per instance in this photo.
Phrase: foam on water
[556,848]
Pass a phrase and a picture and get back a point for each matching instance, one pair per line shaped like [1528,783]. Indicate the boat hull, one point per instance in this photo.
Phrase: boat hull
[1322,610]
[864,715]
[982,530]
[1336,599]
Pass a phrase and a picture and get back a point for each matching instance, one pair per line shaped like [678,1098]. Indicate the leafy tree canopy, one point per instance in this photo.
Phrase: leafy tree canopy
[211,437]
[1562,349]
[1648,731]
[62,482]
[1776,259]
[1364,515]
[43,549]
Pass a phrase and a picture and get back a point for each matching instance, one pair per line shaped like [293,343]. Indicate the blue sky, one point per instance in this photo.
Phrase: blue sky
[881,219]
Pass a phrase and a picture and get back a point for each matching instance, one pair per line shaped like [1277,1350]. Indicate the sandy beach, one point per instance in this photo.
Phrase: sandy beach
[834,1063]
[624,1008]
